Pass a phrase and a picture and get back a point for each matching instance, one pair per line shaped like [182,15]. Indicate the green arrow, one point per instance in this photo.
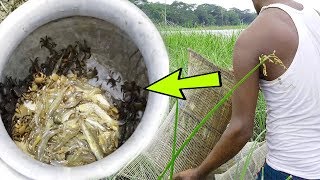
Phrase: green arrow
[173,84]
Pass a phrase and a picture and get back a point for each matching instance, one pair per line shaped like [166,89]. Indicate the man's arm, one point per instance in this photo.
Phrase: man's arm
[244,102]
[266,34]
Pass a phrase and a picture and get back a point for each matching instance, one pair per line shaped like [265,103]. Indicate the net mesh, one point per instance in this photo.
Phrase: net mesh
[152,160]
[234,170]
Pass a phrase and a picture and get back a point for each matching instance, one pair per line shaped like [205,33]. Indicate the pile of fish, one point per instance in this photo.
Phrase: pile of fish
[8,6]
[57,117]
[67,122]
[68,60]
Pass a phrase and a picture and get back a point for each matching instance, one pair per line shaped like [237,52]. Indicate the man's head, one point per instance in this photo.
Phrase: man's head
[258,5]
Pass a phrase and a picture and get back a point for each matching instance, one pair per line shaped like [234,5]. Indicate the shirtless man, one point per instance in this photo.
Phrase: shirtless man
[292,95]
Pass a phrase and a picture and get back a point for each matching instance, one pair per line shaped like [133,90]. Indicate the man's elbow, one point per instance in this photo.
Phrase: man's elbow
[242,132]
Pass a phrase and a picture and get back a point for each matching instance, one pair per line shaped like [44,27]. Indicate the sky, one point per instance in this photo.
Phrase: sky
[240,4]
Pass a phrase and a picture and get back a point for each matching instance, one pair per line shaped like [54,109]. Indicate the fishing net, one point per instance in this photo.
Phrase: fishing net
[151,161]
[241,169]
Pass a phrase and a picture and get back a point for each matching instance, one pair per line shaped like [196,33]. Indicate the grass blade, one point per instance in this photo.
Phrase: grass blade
[289,178]
[174,137]
[249,156]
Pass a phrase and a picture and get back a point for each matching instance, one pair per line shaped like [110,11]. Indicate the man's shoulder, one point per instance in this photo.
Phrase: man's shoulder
[271,21]
[268,33]
[270,27]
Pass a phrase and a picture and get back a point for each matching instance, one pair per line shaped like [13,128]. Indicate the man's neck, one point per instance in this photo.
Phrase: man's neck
[290,3]
[268,2]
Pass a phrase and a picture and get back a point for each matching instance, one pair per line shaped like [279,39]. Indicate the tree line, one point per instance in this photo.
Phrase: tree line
[192,15]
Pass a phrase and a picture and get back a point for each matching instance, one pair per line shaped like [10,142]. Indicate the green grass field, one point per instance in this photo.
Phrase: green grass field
[175,28]
[219,50]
